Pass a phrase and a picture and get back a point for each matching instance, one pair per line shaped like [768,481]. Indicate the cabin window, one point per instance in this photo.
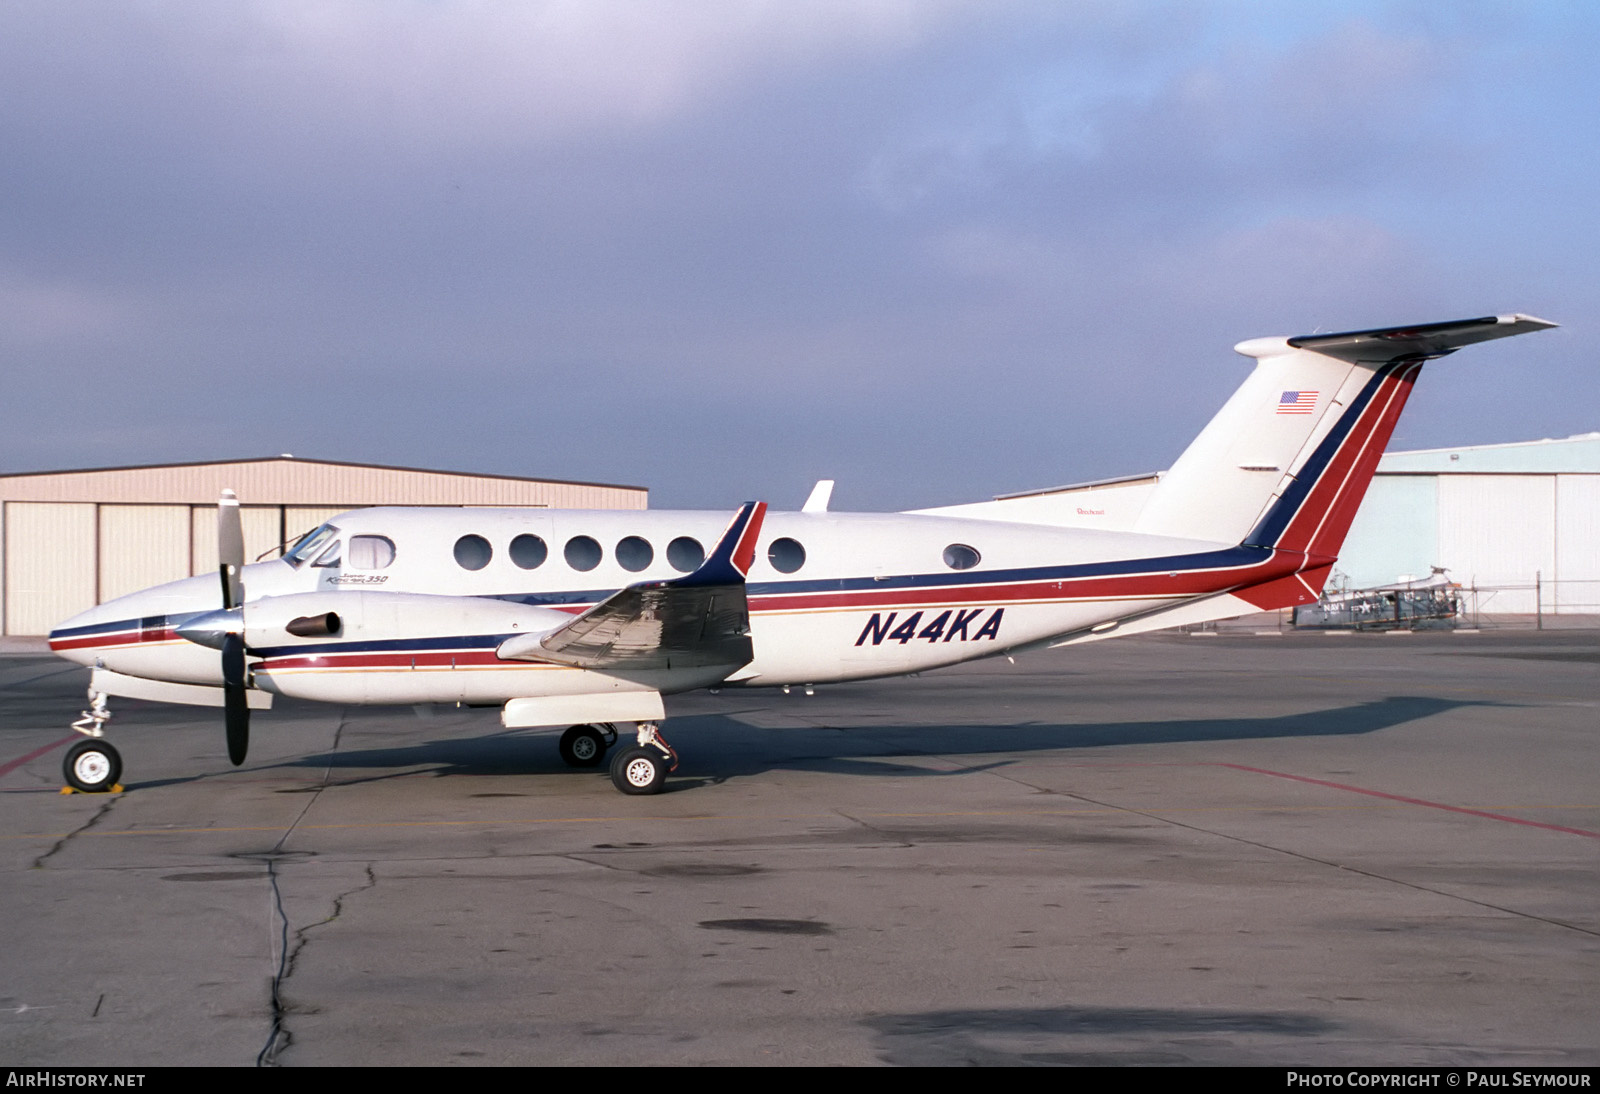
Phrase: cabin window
[634,553]
[685,554]
[786,555]
[473,552]
[958,556]
[583,552]
[529,552]
[371,552]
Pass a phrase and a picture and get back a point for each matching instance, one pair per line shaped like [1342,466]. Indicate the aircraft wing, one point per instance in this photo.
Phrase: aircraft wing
[701,620]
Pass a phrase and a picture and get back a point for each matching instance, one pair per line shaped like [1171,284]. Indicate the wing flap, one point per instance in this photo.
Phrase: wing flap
[698,621]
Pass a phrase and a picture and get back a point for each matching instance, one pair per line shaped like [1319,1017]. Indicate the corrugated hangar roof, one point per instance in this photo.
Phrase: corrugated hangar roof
[286,480]
[1579,454]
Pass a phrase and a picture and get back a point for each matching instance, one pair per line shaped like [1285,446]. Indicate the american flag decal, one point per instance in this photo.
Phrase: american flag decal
[1297,402]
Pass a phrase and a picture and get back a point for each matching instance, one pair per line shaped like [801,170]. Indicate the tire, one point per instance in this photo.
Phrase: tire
[639,770]
[582,746]
[92,766]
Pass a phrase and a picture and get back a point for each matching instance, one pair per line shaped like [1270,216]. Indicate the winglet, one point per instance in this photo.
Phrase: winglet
[730,560]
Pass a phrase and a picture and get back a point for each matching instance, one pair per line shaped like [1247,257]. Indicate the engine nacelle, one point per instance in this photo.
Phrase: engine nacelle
[312,619]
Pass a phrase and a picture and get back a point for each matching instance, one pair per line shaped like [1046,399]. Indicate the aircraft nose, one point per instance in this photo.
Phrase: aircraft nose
[137,619]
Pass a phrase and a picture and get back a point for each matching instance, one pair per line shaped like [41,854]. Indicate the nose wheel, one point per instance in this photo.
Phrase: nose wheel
[92,766]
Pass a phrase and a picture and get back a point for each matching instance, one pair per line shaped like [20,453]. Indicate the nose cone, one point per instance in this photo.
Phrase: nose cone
[128,634]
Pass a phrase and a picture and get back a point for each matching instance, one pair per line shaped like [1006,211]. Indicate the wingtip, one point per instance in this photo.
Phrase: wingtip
[1531,322]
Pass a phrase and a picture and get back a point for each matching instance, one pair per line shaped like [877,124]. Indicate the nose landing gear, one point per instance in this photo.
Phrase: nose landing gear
[93,766]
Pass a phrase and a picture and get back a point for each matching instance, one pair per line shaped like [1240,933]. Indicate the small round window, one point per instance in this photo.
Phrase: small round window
[786,555]
[529,552]
[473,552]
[582,553]
[685,554]
[635,553]
[958,556]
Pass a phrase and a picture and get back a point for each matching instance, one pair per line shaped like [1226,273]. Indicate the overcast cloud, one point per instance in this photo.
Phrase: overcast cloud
[934,250]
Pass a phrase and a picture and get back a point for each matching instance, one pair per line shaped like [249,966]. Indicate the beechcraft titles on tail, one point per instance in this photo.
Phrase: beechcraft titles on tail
[589,619]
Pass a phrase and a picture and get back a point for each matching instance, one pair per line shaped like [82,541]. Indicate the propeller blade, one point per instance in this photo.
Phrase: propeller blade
[236,708]
[230,549]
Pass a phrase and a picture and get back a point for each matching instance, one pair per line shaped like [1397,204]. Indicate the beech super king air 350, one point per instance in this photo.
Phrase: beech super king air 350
[589,619]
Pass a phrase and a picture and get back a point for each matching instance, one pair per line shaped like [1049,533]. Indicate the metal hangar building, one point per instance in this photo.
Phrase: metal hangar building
[72,539]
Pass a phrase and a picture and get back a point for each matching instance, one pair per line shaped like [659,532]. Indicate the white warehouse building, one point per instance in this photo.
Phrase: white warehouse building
[1519,522]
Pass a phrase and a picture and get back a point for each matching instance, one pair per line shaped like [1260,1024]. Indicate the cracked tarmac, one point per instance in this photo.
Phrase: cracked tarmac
[1308,850]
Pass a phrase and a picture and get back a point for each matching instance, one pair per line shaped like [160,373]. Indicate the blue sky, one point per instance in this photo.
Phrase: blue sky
[934,250]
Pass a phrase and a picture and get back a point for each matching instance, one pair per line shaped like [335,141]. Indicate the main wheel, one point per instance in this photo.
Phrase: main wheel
[639,770]
[92,766]
[583,746]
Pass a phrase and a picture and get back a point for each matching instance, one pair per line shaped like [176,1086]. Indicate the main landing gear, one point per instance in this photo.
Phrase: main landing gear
[93,766]
[643,768]
[639,769]
[585,746]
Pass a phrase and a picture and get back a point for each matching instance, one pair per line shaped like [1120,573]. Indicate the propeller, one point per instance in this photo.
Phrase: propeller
[230,562]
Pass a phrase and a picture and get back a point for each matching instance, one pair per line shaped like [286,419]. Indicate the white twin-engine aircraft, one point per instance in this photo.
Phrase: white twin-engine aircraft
[588,619]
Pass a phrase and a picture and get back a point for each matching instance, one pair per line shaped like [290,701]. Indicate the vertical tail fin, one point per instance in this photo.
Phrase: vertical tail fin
[1287,460]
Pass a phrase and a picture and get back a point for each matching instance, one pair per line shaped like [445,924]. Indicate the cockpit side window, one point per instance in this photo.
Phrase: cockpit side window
[371,552]
[330,557]
[311,545]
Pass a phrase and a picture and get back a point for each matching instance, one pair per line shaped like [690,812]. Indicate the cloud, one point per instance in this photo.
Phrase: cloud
[432,74]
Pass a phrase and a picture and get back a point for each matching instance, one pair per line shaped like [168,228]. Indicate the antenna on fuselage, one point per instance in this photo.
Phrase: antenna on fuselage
[821,494]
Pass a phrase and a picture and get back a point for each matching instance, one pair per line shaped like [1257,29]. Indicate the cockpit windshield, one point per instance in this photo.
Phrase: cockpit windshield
[309,545]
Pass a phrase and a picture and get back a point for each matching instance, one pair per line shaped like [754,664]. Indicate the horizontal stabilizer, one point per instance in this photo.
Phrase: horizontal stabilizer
[1426,340]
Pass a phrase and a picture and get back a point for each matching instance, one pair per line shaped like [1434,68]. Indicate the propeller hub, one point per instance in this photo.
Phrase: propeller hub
[213,628]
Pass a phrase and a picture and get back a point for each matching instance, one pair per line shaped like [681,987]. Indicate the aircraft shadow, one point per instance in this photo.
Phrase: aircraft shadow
[716,747]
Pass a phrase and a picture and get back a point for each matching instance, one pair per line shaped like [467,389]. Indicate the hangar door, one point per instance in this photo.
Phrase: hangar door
[49,563]
[1499,531]
[61,558]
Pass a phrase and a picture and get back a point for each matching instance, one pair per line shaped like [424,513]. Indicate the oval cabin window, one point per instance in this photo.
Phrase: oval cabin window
[529,552]
[634,553]
[958,556]
[473,552]
[583,552]
[685,554]
[786,555]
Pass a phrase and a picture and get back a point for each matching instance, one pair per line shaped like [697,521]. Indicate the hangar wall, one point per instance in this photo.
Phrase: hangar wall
[1519,521]
[73,539]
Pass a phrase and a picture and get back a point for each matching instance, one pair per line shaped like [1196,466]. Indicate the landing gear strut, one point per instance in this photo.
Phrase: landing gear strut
[643,768]
[585,746]
[93,766]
